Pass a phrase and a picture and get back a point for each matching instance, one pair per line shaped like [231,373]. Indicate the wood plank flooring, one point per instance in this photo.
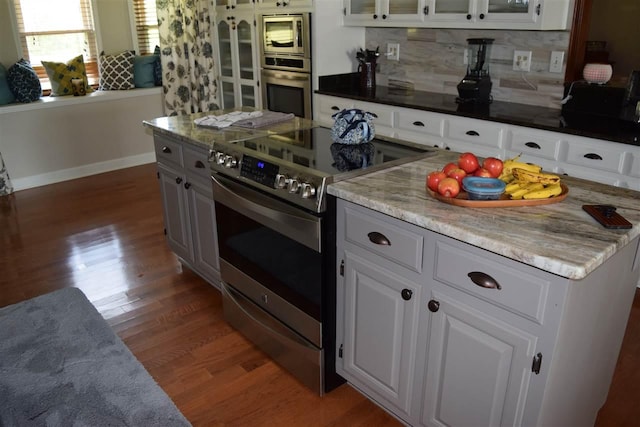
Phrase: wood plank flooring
[104,235]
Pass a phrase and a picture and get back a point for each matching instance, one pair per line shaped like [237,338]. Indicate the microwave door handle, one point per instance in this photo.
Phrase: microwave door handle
[299,33]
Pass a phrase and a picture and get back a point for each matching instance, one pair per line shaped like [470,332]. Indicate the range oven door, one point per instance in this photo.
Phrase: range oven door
[287,92]
[272,272]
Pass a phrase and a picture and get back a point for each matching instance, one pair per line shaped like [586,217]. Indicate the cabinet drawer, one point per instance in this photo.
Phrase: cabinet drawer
[328,105]
[597,156]
[420,122]
[196,163]
[547,146]
[168,150]
[405,247]
[520,293]
[384,113]
[476,132]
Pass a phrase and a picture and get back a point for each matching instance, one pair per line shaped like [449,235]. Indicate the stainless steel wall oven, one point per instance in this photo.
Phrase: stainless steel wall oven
[276,238]
[285,49]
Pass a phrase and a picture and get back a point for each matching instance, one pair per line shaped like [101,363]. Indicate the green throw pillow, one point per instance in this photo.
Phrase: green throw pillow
[61,74]
[6,96]
[143,70]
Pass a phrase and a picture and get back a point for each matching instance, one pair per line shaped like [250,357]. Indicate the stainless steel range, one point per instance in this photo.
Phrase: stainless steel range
[276,237]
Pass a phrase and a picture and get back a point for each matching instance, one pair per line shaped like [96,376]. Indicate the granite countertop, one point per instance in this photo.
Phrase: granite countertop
[558,238]
[347,86]
[184,129]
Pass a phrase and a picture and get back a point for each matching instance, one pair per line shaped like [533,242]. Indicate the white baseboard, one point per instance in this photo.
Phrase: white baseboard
[82,171]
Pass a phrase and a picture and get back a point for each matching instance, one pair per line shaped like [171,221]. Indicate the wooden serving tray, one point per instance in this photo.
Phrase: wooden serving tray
[503,202]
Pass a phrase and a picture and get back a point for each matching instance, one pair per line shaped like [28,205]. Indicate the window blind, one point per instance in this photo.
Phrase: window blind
[146,25]
[57,31]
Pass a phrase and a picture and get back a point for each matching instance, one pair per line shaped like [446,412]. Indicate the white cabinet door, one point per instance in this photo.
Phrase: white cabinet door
[176,212]
[380,332]
[384,121]
[327,106]
[478,368]
[384,12]
[238,69]
[205,241]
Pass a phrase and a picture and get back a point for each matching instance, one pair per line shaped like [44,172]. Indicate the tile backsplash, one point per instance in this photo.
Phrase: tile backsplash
[432,60]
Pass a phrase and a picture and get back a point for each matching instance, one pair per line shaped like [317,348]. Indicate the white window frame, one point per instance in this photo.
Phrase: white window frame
[134,29]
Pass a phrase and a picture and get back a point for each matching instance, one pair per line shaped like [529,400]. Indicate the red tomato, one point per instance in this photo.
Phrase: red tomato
[448,167]
[483,173]
[457,174]
[449,187]
[493,165]
[434,178]
[468,162]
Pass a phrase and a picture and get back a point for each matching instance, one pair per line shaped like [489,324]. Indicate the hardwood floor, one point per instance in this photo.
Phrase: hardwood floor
[104,235]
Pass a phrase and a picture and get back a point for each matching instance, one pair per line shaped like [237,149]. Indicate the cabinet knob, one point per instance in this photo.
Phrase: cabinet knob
[166,150]
[384,16]
[484,280]
[378,238]
[199,164]
[469,16]
[482,16]
[406,294]
[178,180]
[375,16]
[187,185]
[532,144]
[425,10]
[433,306]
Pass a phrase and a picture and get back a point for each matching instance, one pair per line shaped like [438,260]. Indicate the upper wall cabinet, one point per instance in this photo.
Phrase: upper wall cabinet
[481,14]
[229,5]
[387,13]
[284,6]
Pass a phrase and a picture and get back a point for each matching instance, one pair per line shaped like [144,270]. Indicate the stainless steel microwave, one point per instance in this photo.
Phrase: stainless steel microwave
[286,35]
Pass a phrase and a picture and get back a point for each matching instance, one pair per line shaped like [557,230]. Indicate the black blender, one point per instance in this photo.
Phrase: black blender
[475,87]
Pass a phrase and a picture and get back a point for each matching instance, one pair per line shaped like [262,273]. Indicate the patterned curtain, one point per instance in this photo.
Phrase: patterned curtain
[188,69]
[5,182]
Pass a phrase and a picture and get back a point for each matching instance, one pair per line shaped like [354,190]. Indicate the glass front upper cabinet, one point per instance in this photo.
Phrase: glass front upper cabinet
[381,12]
[479,11]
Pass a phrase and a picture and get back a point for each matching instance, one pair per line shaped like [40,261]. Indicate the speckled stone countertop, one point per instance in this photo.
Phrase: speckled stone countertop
[184,129]
[558,238]
[600,127]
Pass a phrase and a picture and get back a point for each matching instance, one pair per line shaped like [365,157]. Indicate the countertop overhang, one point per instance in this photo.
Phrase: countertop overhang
[558,238]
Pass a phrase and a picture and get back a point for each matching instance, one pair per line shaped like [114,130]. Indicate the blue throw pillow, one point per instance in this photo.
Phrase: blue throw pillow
[6,96]
[157,69]
[24,82]
[143,70]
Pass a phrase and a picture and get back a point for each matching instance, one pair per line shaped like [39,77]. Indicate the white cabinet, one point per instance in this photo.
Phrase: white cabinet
[237,49]
[481,137]
[420,126]
[385,116]
[327,106]
[285,6]
[384,12]
[481,14]
[223,6]
[188,207]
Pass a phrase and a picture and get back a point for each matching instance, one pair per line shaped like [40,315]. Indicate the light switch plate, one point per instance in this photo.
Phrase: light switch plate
[557,59]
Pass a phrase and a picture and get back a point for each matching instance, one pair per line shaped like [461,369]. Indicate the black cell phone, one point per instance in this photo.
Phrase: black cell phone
[607,216]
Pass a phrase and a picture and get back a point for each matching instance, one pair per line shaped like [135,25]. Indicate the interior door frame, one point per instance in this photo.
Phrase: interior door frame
[577,40]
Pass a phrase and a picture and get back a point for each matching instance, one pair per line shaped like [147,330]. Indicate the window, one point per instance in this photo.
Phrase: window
[57,31]
[145,21]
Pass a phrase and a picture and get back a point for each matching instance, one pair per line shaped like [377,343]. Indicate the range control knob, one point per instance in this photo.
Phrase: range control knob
[294,185]
[281,180]
[219,157]
[230,162]
[307,191]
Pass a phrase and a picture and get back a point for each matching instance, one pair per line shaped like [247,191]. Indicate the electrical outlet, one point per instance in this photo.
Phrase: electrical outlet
[393,51]
[522,60]
[557,59]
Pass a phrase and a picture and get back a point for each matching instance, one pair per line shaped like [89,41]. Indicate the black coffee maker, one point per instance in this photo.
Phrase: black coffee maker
[475,87]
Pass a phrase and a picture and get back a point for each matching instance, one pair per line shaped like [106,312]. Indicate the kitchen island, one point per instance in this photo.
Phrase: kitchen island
[481,316]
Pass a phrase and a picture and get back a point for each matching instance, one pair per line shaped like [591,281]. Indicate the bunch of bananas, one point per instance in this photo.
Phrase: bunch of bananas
[527,181]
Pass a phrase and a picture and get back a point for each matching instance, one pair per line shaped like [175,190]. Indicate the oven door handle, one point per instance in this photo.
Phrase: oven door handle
[292,76]
[289,221]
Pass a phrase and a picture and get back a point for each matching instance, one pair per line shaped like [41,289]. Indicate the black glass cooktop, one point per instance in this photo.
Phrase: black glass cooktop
[314,148]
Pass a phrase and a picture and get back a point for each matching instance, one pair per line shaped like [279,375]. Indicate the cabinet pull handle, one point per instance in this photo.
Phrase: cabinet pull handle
[418,123]
[166,150]
[484,280]
[379,238]
[426,10]
[406,294]
[187,185]
[433,306]
[199,164]
[533,145]
[334,108]
[472,133]
[593,156]
[537,363]
[178,180]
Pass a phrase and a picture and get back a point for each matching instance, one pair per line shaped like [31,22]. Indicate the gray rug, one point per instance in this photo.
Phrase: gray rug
[62,365]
